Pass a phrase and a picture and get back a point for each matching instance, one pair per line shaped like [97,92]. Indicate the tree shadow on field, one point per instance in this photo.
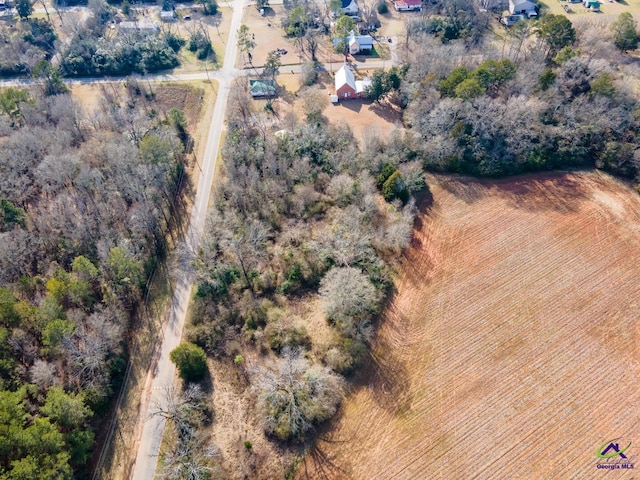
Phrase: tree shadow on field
[386,376]
[561,191]
[467,189]
[318,464]
[386,111]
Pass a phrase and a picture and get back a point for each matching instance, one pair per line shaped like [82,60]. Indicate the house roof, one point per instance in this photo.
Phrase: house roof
[365,41]
[361,85]
[521,5]
[345,76]
[409,3]
[139,25]
[262,87]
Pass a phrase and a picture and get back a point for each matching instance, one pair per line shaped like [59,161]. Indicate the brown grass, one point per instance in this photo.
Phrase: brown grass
[510,349]
[217,26]
[364,117]
[269,35]
[609,10]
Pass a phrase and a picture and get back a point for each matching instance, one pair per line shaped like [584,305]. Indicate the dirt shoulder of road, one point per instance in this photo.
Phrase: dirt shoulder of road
[513,330]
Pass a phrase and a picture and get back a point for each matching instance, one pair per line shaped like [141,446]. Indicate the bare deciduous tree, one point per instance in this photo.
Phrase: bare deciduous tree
[191,456]
[348,295]
[43,374]
[295,395]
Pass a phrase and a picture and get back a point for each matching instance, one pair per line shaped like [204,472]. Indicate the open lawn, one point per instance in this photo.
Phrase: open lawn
[217,27]
[364,117]
[510,348]
[608,9]
[269,36]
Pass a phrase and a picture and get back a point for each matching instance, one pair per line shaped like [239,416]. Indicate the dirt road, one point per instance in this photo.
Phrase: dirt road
[163,376]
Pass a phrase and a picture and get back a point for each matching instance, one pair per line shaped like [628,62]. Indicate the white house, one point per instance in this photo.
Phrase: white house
[357,43]
[523,7]
[408,5]
[350,7]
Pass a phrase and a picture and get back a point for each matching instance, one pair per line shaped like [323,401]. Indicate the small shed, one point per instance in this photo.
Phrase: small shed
[592,5]
[169,16]
[263,88]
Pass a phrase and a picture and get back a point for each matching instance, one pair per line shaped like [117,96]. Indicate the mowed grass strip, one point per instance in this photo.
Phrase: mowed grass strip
[510,349]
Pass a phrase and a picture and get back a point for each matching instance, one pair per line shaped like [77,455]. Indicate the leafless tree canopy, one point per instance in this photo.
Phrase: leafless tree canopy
[295,395]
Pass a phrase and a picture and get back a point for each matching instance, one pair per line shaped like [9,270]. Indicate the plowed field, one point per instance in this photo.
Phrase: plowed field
[510,349]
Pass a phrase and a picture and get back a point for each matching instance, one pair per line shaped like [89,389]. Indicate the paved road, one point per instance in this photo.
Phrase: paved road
[150,435]
[218,75]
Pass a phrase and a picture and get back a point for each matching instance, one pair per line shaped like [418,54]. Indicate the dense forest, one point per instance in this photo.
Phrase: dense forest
[547,94]
[86,202]
[106,41]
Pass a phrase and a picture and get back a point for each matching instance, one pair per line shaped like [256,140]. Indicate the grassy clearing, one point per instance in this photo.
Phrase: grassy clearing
[269,35]
[607,8]
[513,327]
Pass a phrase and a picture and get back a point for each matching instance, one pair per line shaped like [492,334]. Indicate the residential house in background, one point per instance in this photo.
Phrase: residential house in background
[262,88]
[408,5]
[347,86]
[357,44]
[167,16]
[523,7]
[145,26]
[350,7]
